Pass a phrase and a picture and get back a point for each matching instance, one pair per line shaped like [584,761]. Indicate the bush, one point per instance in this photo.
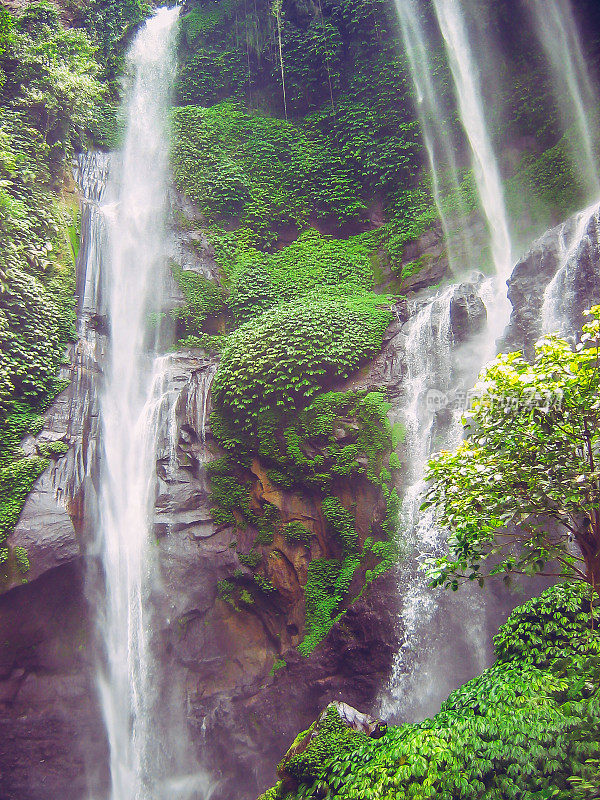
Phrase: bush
[284,357]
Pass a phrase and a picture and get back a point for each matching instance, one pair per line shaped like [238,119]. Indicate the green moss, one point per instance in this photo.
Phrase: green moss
[212,344]
[250,560]
[394,461]
[390,524]
[308,454]
[225,590]
[52,450]
[341,523]
[264,584]
[280,663]
[16,481]
[246,597]
[21,559]
[260,281]
[279,478]
[333,739]
[203,298]
[265,171]
[326,589]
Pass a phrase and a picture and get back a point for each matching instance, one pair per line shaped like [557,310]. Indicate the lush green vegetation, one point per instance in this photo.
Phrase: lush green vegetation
[527,728]
[49,86]
[530,458]
[57,95]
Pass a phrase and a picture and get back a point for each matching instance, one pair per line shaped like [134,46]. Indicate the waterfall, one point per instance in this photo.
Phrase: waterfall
[436,127]
[556,29]
[559,313]
[132,406]
[438,367]
[485,166]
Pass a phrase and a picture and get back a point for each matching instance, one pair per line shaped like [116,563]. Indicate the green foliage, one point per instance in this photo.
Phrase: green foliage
[52,449]
[260,281]
[284,357]
[546,187]
[296,532]
[280,663]
[49,90]
[264,584]
[307,453]
[341,523]
[111,24]
[251,560]
[394,462]
[51,78]
[203,298]
[546,629]
[526,728]
[21,559]
[333,739]
[524,468]
[326,589]
[212,344]
[16,481]
[266,172]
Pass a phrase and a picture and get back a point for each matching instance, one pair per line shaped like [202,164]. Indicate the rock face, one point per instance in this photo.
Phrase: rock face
[555,282]
[51,737]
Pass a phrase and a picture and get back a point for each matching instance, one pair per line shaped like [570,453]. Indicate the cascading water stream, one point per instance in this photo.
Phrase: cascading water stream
[131,410]
[485,166]
[437,133]
[418,682]
[559,297]
[433,365]
[556,29]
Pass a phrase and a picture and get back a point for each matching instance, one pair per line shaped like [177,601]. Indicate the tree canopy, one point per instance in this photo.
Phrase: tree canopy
[524,487]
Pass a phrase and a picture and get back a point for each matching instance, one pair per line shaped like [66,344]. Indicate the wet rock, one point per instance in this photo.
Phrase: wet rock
[52,741]
[468,314]
[566,262]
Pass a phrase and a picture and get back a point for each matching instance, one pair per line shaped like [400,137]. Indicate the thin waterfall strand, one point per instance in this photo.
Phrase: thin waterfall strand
[442,150]
[556,29]
[485,166]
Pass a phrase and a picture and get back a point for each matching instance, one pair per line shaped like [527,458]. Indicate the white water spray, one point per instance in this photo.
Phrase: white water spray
[577,98]
[131,409]
[438,137]
[432,359]
[559,296]
[485,166]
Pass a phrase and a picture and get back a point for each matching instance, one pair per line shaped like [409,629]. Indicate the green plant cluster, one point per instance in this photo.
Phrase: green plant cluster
[352,84]
[296,532]
[49,88]
[203,298]
[111,24]
[16,481]
[260,281]
[327,738]
[284,357]
[528,728]
[265,172]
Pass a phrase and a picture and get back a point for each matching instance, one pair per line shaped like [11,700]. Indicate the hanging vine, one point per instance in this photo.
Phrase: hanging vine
[276,10]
